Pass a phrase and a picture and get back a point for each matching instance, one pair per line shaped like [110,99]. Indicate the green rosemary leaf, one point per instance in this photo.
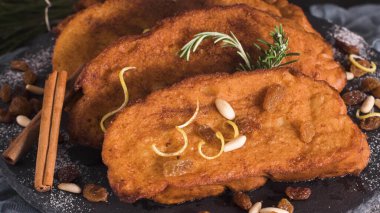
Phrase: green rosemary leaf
[273,53]
[276,52]
[264,42]
[227,41]
[286,63]
[292,54]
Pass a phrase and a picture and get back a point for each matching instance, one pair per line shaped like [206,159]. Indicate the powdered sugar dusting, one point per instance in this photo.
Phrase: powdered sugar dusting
[39,61]
[8,132]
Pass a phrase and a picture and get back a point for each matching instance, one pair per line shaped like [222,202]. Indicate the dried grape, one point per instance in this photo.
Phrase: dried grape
[353,97]
[285,205]
[95,193]
[307,132]
[242,200]
[370,84]
[298,193]
[370,123]
[273,97]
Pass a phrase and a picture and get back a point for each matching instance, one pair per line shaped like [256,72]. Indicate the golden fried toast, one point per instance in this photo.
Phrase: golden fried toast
[155,55]
[90,31]
[298,132]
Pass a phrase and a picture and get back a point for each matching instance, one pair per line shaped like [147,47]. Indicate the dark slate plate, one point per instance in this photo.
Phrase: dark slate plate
[345,194]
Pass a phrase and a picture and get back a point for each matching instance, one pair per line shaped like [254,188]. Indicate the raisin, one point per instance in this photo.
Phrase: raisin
[370,123]
[5,116]
[67,174]
[36,104]
[370,84]
[273,97]
[358,72]
[95,193]
[242,200]
[376,92]
[20,106]
[285,205]
[29,77]
[307,132]
[298,193]
[353,97]
[247,125]
[6,93]
[19,65]
[348,41]
[206,133]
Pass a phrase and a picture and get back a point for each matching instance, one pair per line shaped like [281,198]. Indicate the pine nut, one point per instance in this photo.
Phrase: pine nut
[377,103]
[35,89]
[22,120]
[255,208]
[273,209]
[225,109]
[349,76]
[235,143]
[368,104]
[70,187]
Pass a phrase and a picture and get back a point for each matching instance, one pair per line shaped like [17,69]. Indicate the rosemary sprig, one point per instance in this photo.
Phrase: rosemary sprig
[273,54]
[228,41]
[22,20]
[276,52]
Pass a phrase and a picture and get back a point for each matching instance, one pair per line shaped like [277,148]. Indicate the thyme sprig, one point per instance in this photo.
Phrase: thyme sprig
[273,53]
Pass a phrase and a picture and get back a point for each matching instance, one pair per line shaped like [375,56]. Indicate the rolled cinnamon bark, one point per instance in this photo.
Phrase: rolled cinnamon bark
[43,141]
[49,130]
[54,128]
[24,141]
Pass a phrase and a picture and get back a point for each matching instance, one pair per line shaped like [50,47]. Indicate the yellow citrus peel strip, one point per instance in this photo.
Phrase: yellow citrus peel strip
[353,58]
[186,142]
[192,117]
[219,135]
[126,97]
[362,117]
[184,135]
[235,127]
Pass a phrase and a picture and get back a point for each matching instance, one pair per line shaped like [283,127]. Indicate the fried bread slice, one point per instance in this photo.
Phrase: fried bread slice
[298,132]
[155,55]
[88,32]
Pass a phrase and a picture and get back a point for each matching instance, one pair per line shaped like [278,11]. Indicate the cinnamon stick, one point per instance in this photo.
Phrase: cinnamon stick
[54,129]
[49,129]
[25,140]
[43,141]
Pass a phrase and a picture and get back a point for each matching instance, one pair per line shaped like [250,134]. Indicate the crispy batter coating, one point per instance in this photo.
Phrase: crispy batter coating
[88,32]
[155,55]
[275,150]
